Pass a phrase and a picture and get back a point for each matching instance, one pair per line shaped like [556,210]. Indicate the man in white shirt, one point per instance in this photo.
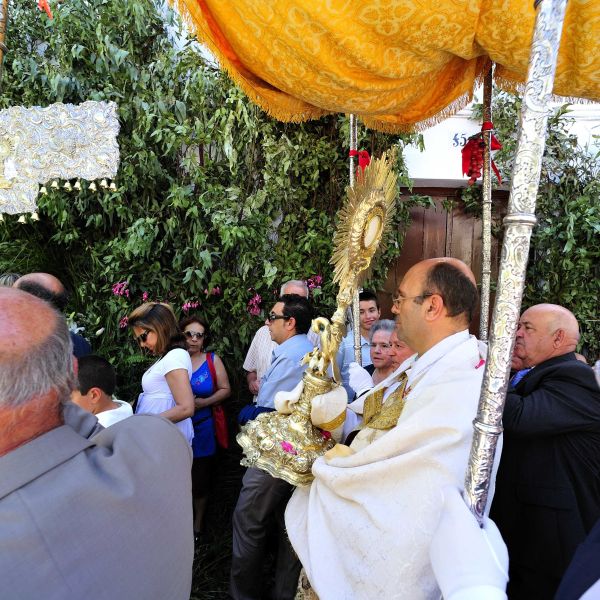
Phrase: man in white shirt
[96,382]
[363,528]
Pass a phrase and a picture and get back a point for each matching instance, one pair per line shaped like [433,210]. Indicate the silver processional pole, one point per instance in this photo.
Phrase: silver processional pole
[355,302]
[486,214]
[519,223]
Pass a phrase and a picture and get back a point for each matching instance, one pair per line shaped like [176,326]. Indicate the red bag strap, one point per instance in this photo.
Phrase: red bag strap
[211,368]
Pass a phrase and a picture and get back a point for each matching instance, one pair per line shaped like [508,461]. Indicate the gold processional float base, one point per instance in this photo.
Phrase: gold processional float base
[286,445]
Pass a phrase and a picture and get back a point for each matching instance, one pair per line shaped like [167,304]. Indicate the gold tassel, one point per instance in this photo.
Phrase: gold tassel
[35,216]
[112,186]
[77,185]
[54,185]
[67,186]
[92,187]
[43,190]
[22,219]
[103,184]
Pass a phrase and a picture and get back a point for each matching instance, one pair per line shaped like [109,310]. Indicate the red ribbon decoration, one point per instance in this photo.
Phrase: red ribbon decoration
[363,159]
[472,154]
[43,5]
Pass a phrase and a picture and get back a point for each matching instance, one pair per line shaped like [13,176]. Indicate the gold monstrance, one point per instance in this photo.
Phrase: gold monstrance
[286,445]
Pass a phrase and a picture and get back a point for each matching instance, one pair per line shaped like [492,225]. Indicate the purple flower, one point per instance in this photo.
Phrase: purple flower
[254,305]
[145,297]
[124,322]
[216,291]
[287,447]
[314,282]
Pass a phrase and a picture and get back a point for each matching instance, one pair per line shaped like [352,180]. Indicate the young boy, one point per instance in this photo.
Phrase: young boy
[96,380]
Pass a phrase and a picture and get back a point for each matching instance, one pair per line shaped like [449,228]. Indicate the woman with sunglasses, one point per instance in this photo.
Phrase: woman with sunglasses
[166,384]
[210,386]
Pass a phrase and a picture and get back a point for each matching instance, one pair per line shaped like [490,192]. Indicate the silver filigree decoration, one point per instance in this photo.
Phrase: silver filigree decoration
[515,249]
[60,141]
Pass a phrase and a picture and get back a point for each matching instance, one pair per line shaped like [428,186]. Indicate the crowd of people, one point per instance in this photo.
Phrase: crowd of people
[80,473]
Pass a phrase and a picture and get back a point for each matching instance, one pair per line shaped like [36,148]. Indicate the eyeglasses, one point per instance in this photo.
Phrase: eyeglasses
[398,300]
[141,339]
[194,335]
[380,345]
[273,317]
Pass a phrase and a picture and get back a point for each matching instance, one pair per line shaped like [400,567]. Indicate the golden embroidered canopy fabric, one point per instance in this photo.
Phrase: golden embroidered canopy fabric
[397,64]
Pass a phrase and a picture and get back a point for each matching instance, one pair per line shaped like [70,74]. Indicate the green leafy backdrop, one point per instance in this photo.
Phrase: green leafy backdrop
[216,202]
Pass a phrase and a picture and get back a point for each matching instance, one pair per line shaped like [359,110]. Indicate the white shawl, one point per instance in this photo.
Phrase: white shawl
[362,529]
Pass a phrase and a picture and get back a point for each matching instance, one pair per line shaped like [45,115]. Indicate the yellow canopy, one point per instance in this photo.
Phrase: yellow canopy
[398,64]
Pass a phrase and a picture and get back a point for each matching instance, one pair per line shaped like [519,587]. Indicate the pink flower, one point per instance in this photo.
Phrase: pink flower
[145,297]
[124,322]
[120,289]
[216,291]
[190,304]
[287,447]
[326,434]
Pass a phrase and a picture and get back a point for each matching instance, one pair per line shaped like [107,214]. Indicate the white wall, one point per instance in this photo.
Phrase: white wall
[440,165]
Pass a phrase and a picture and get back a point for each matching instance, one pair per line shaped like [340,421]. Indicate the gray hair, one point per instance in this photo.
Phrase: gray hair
[295,283]
[8,279]
[382,325]
[49,366]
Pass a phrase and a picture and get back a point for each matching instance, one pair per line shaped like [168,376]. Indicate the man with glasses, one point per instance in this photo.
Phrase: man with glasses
[263,498]
[260,353]
[362,529]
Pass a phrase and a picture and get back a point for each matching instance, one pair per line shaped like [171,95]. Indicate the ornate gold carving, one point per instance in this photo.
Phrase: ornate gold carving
[61,141]
[287,445]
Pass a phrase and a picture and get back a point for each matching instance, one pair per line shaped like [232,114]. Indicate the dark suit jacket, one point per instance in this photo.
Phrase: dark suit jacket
[548,485]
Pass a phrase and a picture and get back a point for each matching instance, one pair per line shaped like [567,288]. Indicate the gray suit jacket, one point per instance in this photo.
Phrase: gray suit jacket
[105,517]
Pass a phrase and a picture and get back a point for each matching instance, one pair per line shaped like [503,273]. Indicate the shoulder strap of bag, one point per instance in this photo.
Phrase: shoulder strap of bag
[211,368]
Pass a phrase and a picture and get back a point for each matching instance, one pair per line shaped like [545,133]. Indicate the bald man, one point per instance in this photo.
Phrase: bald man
[49,288]
[548,485]
[85,512]
[362,529]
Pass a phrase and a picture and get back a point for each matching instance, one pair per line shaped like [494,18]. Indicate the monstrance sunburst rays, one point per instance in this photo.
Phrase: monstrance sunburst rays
[286,445]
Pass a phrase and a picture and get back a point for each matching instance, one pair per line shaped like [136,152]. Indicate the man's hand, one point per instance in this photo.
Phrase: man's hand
[468,561]
[253,382]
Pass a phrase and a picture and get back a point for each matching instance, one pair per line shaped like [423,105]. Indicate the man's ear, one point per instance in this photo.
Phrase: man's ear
[435,307]
[559,338]
[94,394]
[291,323]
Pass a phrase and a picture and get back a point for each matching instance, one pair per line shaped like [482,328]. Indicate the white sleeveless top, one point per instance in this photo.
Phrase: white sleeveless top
[157,397]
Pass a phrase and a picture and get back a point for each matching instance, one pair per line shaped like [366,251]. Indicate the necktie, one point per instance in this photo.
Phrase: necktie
[518,376]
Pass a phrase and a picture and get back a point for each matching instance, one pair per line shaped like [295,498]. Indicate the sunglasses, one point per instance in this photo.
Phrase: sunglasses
[194,335]
[273,317]
[141,339]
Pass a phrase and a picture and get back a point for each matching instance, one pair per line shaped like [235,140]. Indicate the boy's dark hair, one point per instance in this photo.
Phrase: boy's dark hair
[95,371]
[298,307]
[368,296]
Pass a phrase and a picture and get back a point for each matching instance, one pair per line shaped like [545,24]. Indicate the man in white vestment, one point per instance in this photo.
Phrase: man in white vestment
[362,529]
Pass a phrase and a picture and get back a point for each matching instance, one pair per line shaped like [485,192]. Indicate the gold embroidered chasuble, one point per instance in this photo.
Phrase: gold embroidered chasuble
[379,415]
